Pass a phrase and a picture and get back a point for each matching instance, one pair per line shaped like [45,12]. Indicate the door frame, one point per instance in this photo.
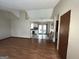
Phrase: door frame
[56,32]
[64,34]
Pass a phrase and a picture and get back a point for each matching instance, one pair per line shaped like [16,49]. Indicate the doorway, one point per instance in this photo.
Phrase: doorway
[42,29]
[56,33]
[42,32]
[64,33]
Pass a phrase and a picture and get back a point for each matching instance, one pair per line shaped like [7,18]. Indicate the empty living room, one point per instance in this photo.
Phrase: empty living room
[39,29]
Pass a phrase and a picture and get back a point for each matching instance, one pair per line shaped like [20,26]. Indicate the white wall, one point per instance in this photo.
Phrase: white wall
[4,25]
[11,25]
[61,8]
[20,27]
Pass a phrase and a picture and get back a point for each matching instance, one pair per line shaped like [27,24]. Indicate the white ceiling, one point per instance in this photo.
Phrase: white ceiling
[28,4]
[40,14]
[38,8]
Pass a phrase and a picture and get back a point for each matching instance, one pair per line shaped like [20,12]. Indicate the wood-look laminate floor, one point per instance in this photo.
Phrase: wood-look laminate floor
[17,48]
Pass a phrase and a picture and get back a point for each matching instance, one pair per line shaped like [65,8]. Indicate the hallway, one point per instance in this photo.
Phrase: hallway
[19,48]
